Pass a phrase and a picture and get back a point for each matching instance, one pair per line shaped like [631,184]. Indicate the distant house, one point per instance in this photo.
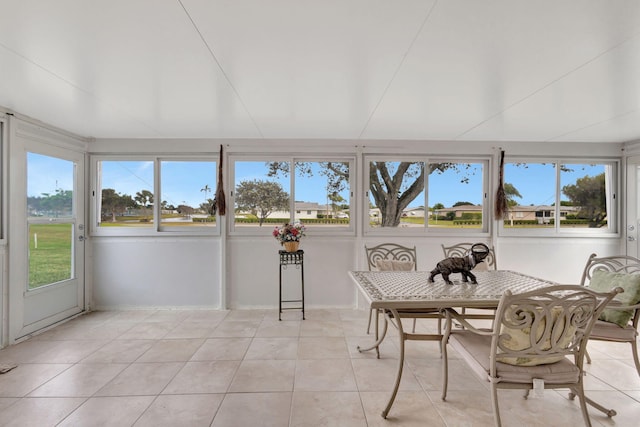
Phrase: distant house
[459,210]
[543,214]
[417,212]
[309,210]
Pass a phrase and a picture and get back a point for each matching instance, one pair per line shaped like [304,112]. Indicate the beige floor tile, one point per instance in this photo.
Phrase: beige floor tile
[141,379]
[148,331]
[429,373]
[203,377]
[264,376]
[68,352]
[191,329]
[626,405]
[193,410]
[236,328]
[39,411]
[119,351]
[387,349]
[28,351]
[108,411]
[241,315]
[329,408]
[324,375]
[178,350]
[277,328]
[323,348]
[168,316]
[222,349]
[272,348]
[27,377]
[615,373]
[81,380]
[254,409]
[380,375]
[410,409]
[213,317]
[322,328]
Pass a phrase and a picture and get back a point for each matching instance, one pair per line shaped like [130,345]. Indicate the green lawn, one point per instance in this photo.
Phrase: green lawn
[50,261]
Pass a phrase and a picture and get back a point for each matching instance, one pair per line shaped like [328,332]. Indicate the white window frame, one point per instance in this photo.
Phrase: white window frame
[310,230]
[613,180]
[156,229]
[427,159]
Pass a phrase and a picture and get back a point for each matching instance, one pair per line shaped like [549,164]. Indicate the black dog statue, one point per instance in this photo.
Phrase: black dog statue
[463,265]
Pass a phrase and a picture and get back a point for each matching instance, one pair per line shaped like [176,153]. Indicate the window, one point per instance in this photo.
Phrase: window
[454,199]
[126,193]
[126,197]
[552,196]
[187,193]
[321,191]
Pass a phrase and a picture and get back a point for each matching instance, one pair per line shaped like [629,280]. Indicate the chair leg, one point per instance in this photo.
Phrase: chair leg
[369,324]
[634,348]
[575,392]
[586,355]
[494,403]
[413,330]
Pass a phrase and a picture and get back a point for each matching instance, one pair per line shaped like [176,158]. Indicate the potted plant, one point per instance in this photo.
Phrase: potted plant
[289,235]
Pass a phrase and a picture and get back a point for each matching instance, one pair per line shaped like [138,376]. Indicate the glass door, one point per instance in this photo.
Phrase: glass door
[47,240]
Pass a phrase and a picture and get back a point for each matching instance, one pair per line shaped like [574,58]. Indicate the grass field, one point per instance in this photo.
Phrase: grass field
[50,260]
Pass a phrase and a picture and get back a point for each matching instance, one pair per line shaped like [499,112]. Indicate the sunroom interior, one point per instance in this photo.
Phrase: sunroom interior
[327,101]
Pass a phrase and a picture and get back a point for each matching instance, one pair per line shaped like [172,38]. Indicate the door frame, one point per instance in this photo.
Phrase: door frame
[631,235]
[24,137]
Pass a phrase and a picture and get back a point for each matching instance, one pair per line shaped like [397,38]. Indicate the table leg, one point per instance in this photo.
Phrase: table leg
[398,323]
[376,344]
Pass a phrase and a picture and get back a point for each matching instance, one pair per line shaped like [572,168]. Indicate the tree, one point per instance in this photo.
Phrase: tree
[590,195]
[462,204]
[207,206]
[335,200]
[391,189]
[261,198]
[144,199]
[510,192]
[115,203]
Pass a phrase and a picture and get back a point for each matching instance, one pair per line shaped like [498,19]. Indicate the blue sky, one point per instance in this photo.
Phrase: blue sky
[183,182]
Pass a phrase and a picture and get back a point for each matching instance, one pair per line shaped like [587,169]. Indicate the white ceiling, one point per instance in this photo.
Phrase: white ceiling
[516,70]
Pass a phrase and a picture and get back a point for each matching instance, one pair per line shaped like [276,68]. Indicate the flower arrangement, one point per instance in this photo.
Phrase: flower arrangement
[289,233]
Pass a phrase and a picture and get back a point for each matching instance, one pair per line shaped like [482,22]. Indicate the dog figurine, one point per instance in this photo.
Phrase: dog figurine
[463,265]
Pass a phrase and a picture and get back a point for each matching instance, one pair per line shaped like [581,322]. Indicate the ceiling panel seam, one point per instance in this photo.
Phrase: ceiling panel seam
[226,77]
[397,70]
[547,85]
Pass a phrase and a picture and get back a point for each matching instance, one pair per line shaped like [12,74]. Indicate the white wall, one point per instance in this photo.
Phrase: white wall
[155,272]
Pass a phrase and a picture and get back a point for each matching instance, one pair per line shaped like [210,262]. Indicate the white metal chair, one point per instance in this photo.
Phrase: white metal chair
[389,257]
[529,341]
[621,320]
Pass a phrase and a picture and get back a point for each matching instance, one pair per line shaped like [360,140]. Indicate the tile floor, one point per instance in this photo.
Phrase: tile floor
[246,368]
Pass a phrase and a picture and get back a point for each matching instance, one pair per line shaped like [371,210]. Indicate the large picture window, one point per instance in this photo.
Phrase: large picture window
[154,195]
[552,196]
[317,193]
[431,195]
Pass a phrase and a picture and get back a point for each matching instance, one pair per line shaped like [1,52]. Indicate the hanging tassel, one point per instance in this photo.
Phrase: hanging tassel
[220,202]
[501,198]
